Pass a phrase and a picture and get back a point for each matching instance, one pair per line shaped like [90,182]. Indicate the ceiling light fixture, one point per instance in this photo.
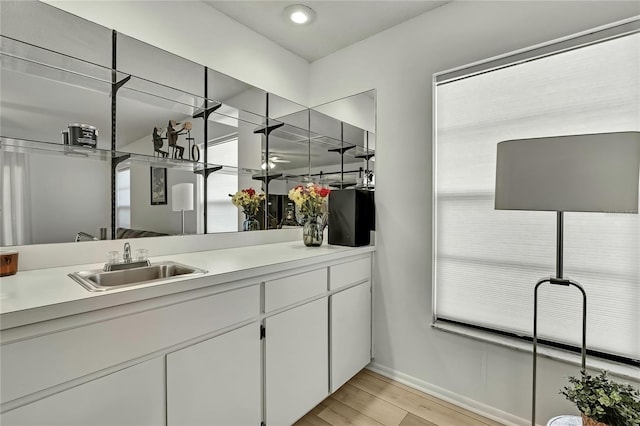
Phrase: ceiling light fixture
[271,165]
[299,14]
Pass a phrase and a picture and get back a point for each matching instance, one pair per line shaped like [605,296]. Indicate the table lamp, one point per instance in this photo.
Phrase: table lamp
[182,199]
[577,173]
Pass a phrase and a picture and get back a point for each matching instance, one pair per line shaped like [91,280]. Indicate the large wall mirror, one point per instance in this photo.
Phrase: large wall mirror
[162,126]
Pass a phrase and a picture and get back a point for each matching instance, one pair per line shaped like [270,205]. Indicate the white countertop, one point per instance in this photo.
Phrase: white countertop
[43,294]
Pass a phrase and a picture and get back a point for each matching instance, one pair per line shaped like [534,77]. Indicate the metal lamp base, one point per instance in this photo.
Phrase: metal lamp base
[558,280]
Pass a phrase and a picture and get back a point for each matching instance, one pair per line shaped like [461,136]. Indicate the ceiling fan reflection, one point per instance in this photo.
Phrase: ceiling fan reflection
[273,159]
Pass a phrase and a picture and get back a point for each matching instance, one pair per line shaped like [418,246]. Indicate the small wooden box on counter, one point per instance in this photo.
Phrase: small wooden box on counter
[8,263]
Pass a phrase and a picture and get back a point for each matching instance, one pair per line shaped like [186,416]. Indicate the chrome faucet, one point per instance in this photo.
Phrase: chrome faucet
[126,255]
[127,261]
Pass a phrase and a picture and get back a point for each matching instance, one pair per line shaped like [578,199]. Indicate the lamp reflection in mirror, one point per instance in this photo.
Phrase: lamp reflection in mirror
[578,173]
[182,199]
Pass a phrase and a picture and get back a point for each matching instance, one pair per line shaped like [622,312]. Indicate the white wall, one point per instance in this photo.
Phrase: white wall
[358,110]
[85,199]
[160,217]
[399,63]
[195,31]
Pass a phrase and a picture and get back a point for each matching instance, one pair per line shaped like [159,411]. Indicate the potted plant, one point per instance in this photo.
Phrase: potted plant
[603,402]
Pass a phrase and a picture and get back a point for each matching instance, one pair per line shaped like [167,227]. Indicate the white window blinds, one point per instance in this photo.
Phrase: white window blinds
[487,261]
[123,198]
[222,216]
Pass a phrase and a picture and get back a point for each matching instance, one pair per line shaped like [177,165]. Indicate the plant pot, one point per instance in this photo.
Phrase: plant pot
[588,421]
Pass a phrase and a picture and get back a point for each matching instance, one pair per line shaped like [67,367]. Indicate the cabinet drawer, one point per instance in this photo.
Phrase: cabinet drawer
[34,364]
[293,289]
[349,273]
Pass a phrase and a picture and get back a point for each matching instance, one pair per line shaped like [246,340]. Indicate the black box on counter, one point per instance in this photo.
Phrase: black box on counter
[351,217]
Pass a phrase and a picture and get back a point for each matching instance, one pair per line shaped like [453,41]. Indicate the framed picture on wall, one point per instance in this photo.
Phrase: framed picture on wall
[158,185]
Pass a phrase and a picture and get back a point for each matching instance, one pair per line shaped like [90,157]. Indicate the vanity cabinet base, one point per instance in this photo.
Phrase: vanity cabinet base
[261,350]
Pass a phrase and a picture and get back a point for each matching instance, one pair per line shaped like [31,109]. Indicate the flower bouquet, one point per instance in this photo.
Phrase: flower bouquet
[311,201]
[249,201]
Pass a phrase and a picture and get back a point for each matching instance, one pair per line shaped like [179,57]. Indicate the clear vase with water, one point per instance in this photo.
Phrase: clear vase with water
[312,231]
[250,223]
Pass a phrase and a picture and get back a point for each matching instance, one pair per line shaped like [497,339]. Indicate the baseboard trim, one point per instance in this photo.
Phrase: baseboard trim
[461,401]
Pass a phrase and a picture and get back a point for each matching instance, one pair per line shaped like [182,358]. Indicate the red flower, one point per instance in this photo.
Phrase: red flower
[250,191]
[323,192]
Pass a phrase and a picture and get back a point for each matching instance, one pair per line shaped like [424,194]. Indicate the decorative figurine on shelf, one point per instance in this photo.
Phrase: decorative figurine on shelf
[158,141]
[172,138]
[194,151]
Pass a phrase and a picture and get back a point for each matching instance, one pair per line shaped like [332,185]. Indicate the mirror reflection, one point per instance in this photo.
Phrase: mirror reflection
[167,138]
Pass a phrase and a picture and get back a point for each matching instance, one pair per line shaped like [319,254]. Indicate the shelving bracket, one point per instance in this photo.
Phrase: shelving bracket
[267,178]
[341,150]
[268,128]
[119,159]
[205,113]
[117,85]
[366,156]
[207,171]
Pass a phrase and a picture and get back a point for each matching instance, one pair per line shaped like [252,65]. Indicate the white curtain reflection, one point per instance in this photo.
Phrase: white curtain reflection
[14,216]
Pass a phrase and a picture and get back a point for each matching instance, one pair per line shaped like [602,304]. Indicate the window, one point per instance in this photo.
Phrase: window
[222,215]
[487,261]
[123,198]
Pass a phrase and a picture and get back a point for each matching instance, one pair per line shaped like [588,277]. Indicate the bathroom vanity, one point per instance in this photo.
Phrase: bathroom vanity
[261,338]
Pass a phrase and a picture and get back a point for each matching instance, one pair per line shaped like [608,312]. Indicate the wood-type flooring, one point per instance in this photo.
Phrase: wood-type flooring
[370,399]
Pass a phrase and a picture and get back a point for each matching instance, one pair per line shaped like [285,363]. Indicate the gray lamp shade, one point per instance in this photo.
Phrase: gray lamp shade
[579,173]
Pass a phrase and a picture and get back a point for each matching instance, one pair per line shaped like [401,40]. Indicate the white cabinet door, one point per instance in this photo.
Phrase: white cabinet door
[133,396]
[216,382]
[350,333]
[296,362]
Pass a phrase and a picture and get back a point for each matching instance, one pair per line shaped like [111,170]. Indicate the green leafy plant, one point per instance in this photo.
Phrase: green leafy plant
[604,400]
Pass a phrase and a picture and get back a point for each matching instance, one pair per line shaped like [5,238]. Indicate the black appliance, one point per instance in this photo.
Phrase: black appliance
[82,134]
[351,217]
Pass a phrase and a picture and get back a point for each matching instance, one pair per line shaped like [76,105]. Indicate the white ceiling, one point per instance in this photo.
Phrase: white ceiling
[338,23]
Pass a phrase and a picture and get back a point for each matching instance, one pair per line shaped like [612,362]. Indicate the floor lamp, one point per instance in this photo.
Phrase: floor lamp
[182,199]
[579,173]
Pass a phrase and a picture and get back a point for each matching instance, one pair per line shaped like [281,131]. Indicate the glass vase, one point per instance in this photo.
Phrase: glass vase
[312,232]
[250,223]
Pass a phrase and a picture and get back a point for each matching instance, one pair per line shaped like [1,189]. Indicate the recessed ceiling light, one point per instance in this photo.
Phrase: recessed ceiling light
[299,14]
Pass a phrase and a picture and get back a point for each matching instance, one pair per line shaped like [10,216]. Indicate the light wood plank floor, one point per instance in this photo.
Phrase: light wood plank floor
[369,399]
